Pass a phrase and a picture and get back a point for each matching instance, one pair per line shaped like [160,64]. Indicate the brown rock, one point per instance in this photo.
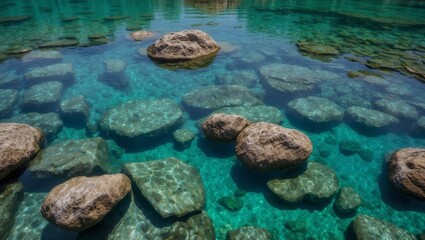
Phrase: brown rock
[81,202]
[224,127]
[18,144]
[406,171]
[264,146]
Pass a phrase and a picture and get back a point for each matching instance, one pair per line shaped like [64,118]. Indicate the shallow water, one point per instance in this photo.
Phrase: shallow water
[260,33]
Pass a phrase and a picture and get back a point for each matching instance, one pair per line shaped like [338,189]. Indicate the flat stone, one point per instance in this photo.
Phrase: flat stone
[115,65]
[347,200]
[75,109]
[50,123]
[10,81]
[367,227]
[43,97]
[316,183]
[8,99]
[141,35]
[317,48]
[223,127]
[231,203]
[19,143]
[174,188]
[249,233]
[62,72]
[72,158]
[81,202]
[398,108]
[49,55]
[370,118]
[317,109]
[141,118]
[253,114]
[183,137]
[59,43]
[14,19]
[247,78]
[11,196]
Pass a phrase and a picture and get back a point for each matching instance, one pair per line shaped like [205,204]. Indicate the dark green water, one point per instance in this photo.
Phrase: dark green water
[384,38]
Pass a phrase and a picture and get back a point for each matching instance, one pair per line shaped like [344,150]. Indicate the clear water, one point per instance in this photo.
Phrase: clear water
[263,32]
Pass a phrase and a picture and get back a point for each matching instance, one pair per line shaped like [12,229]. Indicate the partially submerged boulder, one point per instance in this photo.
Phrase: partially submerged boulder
[62,72]
[8,99]
[366,227]
[43,97]
[249,233]
[317,109]
[11,196]
[370,118]
[223,127]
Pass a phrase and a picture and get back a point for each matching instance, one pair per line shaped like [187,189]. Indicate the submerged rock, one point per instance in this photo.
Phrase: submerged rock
[11,196]
[50,123]
[59,43]
[75,109]
[8,99]
[183,137]
[19,143]
[223,127]
[266,146]
[317,48]
[114,75]
[14,19]
[370,118]
[211,98]
[316,109]
[288,78]
[72,158]
[316,183]
[43,97]
[173,187]
[231,203]
[406,171]
[399,108]
[42,56]
[347,200]
[10,81]
[62,72]
[366,227]
[349,147]
[259,113]
[141,35]
[246,78]
[249,233]
[141,118]
[81,202]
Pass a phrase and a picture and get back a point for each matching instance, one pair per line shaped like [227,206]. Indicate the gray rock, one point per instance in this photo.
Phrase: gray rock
[287,78]
[246,78]
[399,108]
[72,158]
[347,200]
[370,118]
[141,118]
[10,81]
[249,233]
[50,123]
[173,187]
[316,183]
[316,109]
[141,35]
[421,123]
[11,196]
[114,75]
[8,99]
[259,113]
[183,137]
[367,227]
[62,72]
[43,97]
[223,127]
[18,145]
[115,65]
[42,56]
[14,19]
[231,203]
[59,43]
[350,100]
[75,109]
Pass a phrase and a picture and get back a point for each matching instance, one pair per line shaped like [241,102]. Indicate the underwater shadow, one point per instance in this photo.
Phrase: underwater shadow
[50,231]
[216,149]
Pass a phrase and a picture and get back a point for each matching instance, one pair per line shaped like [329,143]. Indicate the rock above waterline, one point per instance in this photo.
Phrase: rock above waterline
[43,97]
[249,233]
[174,188]
[72,158]
[370,118]
[317,182]
[399,108]
[19,143]
[347,201]
[50,123]
[11,196]
[266,146]
[406,171]
[141,118]
[8,99]
[317,109]
[258,113]
[366,227]
[183,46]
[223,127]
[81,202]
[62,72]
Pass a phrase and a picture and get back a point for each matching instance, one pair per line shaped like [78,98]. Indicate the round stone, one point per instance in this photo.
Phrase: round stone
[223,127]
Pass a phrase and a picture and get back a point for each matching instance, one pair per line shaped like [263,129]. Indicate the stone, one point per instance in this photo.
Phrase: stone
[172,187]
[81,202]
[249,233]
[183,137]
[366,227]
[347,200]
[297,226]
[62,72]
[212,98]
[50,123]
[258,113]
[349,147]
[10,81]
[247,78]
[349,100]
[75,109]
[141,35]
[115,65]
[406,171]
[226,47]
[317,109]
[366,154]
[14,19]
[96,36]
[114,75]
[59,43]
[11,196]
[72,158]
[19,143]
[239,192]
[421,123]
[398,108]
[42,56]
[317,182]
[288,78]
[19,50]
[223,127]
[43,97]
[266,146]
[141,118]
[231,203]
[317,48]
[374,80]
[370,118]
[8,99]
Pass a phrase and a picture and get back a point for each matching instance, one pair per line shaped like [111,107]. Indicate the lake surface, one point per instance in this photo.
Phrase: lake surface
[369,54]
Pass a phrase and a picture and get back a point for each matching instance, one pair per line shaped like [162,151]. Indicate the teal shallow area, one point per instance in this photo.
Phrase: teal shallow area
[384,38]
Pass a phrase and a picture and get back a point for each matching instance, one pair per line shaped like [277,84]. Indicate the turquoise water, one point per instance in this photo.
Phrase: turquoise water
[259,33]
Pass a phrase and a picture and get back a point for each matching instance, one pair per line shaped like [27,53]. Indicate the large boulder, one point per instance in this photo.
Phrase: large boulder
[141,118]
[370,118]
[347,200]
[19,143]
[8,99]
[399,108]
[11,196]
[223,127]
[258,113]
[288,78]
[366,227]
[317,182]
[174,188]
[317,109]
[406,171]
[43,97]
[264,146]
[81,202]
[62,72]
[50,123]
[72,158]
[249,233]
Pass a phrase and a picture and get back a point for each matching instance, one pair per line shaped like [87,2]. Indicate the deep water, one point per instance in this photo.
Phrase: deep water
[260,33]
